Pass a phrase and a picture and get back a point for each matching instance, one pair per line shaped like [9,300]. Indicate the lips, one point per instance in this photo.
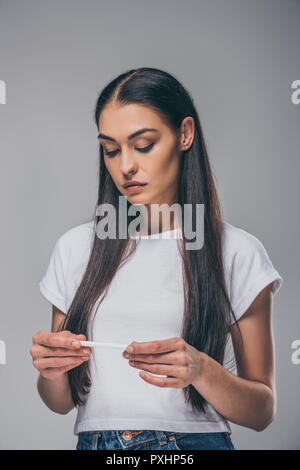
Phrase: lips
[135,188]
[133,183]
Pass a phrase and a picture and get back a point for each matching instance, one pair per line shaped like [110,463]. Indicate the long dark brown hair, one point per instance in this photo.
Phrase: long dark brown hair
[207,306]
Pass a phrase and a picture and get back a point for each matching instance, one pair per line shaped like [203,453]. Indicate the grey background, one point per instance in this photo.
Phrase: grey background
[238,58]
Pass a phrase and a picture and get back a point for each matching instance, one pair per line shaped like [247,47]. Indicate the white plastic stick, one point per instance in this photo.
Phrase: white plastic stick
[95,344]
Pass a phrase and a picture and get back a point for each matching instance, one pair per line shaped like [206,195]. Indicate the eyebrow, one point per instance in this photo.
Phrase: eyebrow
[131,136]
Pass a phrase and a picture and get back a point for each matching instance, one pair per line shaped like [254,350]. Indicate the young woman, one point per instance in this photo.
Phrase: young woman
[197,322]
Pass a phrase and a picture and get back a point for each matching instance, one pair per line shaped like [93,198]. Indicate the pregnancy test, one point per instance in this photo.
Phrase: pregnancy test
[95,344]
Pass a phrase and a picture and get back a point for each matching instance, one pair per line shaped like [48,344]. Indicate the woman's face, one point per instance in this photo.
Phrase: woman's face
[151,157]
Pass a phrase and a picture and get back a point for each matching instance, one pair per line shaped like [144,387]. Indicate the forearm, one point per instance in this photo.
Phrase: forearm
[242,401]
[56,393]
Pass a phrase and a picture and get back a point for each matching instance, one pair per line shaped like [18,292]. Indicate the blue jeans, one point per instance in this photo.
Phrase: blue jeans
[153,440]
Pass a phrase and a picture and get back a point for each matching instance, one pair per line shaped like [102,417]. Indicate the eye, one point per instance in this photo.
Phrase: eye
[110,154]
[143,149]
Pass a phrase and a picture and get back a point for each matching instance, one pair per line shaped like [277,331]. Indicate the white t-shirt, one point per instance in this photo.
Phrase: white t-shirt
[145,303]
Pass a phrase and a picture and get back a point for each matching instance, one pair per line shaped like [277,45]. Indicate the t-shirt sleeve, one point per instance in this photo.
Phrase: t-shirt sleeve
[251,271]
[53,285]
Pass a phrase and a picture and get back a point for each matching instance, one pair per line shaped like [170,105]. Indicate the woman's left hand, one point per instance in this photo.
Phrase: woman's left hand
[180,362]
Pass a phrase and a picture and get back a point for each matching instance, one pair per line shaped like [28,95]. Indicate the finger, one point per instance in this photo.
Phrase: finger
[53,371]
[160,369]
[59,339]
[155,347]
[39,350]
[45,362]
[162,382]
[175,357]
[66,368]
[68,333]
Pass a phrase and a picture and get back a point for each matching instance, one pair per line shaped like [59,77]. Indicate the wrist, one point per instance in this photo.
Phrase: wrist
[203,359]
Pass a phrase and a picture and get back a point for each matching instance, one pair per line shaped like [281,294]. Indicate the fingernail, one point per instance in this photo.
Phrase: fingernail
[85,358]
[129,349]
[85,351]
[75,343]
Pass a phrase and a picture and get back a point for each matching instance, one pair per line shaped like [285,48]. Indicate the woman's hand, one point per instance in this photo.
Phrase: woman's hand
[173,357]
[54,354]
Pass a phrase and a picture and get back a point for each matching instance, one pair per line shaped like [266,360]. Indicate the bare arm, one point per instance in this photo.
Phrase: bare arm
[248,399]
[53,355]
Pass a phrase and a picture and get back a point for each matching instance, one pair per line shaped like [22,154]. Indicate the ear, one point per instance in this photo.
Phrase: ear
[187,133]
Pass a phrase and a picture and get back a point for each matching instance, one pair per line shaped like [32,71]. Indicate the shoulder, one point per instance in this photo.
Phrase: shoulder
[77,233]
[76,240]
[244,254]
[66,265]
[248,267]
[237,240]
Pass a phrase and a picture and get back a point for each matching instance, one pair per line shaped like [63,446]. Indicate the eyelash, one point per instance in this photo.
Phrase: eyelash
[143,150]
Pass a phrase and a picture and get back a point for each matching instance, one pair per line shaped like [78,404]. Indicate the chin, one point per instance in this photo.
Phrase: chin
[136,200]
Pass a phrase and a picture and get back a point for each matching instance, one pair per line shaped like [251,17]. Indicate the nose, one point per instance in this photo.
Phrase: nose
[128,164]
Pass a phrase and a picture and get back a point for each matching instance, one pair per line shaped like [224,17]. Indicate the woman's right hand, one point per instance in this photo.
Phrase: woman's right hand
[54,353]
